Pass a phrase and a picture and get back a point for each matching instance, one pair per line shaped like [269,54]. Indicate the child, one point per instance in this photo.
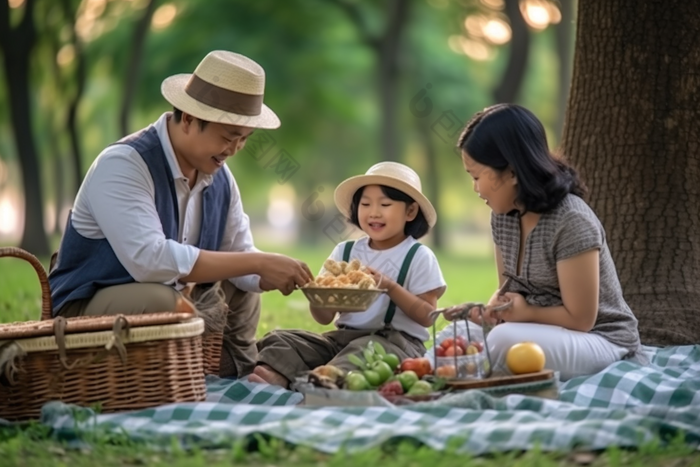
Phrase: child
[387,204]
[565,290]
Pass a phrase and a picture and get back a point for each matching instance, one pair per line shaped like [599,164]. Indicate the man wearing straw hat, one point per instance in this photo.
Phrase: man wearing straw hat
[160,208]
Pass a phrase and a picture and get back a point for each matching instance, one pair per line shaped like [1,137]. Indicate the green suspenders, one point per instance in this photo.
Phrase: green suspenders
[401,279]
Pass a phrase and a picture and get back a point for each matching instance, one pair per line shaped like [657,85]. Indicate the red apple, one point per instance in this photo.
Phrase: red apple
[449,342]
[462,342]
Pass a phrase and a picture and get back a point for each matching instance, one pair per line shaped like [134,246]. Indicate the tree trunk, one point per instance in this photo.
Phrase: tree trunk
[564,39]
[509,87]
[17,44]
[432,188]
[632,129]
[134,66]
[389,48]
[72,117]
[59,176]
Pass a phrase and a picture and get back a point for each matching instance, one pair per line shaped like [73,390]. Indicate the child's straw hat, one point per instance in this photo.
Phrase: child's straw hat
[226,88]
[390,174]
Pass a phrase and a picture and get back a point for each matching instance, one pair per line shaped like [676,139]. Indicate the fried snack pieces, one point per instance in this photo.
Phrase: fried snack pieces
[340,274]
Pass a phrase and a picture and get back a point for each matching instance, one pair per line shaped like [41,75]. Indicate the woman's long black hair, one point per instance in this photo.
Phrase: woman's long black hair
[508,136]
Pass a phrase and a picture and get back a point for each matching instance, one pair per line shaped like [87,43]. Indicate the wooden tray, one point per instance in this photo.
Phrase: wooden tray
[503,380]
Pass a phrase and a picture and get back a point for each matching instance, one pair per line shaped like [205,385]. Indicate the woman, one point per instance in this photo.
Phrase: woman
[564,287]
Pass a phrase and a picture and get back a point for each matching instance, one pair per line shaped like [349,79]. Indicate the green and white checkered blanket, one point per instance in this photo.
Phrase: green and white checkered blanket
[625,405]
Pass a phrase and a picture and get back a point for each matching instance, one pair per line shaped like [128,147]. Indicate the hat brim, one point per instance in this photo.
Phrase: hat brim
[173,89]
[346,190]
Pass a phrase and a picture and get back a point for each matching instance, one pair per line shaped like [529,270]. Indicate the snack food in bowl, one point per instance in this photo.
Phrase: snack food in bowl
[343,275]
[343,287]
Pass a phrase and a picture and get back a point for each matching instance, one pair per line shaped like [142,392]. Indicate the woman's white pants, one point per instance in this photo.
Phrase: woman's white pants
[572,353]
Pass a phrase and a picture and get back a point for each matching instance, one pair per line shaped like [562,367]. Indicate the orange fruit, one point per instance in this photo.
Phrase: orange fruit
[525,357]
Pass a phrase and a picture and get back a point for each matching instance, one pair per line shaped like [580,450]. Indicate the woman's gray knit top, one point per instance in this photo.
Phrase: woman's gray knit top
[566,231]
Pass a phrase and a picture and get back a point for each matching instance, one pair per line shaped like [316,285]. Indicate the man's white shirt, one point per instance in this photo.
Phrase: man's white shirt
[117,201]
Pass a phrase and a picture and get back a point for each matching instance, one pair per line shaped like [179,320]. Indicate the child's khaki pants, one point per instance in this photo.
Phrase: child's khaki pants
[293,352]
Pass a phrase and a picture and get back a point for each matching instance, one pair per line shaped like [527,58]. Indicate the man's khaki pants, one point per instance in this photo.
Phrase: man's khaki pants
[238,353]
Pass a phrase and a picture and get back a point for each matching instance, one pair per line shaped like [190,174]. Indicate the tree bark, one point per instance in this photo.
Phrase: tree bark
[387,49]
[134,66]
[564,38]
[432,188]
[73,105]
[512,79]
[632,129]
[17,44]
[388,74]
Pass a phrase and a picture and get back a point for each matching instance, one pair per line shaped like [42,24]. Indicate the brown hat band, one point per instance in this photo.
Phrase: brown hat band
[223,99]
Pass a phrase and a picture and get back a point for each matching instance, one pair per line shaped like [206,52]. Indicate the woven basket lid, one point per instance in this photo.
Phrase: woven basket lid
[192,328]
[30,329]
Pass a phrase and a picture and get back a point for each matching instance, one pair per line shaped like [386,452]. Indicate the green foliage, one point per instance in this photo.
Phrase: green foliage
[31,448]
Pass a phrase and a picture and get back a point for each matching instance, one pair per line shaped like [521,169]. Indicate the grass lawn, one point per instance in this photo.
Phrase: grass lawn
[468,279]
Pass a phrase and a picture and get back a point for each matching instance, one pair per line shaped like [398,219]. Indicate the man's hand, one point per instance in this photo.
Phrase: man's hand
[280,272]
[265,285]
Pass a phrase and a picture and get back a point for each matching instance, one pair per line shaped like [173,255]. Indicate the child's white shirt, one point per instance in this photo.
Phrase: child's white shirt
[423,276]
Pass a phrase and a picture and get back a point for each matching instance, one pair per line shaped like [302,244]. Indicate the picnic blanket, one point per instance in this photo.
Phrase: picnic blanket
[625,405]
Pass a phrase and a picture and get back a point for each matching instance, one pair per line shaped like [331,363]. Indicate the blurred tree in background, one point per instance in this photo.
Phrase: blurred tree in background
[353,81]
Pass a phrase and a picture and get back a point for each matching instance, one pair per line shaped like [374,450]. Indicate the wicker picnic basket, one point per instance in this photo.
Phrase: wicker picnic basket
[116,362]
[341,299]
[211,351]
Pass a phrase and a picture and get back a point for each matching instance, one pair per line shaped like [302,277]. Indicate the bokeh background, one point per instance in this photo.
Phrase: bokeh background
[354,82]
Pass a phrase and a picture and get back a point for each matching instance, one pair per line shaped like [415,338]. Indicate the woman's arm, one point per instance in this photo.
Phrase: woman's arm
[579,282]
[501,278]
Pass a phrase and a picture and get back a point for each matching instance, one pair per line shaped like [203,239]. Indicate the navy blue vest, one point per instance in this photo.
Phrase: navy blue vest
[85,265]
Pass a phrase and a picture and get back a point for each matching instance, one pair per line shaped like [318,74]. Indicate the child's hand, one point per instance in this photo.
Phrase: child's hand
[380,279]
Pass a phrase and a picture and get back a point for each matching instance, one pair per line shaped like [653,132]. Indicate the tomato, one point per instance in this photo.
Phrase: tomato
[407,379]
[383,369]
[373,378]
[439,351]
[421,366]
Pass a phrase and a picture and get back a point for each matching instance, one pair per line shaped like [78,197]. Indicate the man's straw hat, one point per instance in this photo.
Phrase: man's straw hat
[390,174]
[225,88]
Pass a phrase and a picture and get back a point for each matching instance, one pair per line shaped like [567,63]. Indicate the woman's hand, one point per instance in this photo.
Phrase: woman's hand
[518,312]
[488,317]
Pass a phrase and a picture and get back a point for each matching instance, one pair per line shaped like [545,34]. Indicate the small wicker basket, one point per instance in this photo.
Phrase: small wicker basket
[117,362]
[341,299]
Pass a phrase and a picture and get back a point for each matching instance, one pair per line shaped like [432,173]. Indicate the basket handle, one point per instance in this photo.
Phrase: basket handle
[46,305]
